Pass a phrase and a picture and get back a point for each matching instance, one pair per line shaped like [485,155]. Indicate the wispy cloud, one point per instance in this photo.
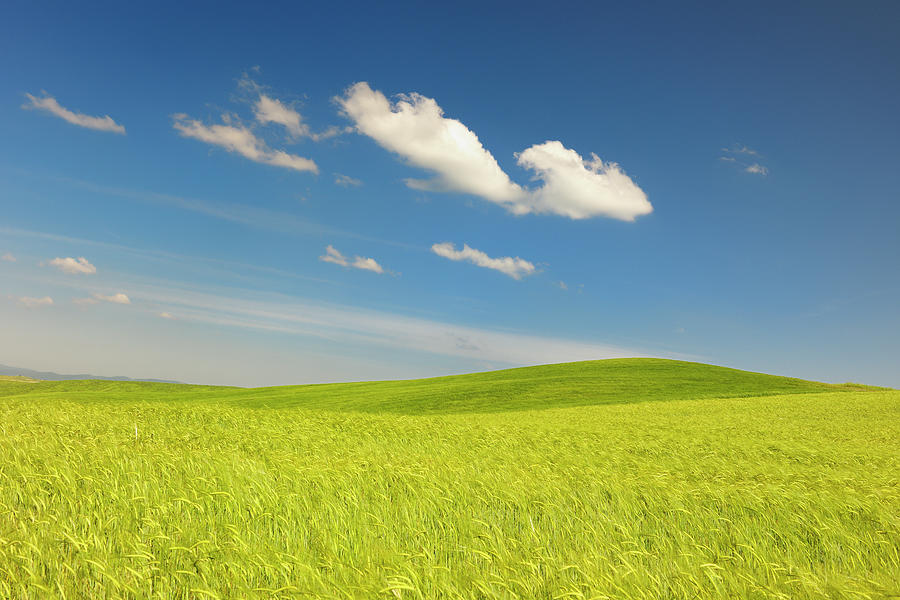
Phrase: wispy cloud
[8,257]
[333,255]
[415,128]
[117,298]
[29,302]
[251,216]
[757,169]
[166,315]
[241,140]
[515,267]
[49,104]
[74,266]
[740,149]
[373,329]
[346,181]
[740,156]
[270,110]
[338,327]
[96,298]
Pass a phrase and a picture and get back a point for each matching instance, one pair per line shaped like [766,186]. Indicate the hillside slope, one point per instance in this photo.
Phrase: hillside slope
[614,381]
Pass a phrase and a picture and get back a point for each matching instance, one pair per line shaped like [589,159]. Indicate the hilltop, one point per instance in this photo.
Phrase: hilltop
[588,383]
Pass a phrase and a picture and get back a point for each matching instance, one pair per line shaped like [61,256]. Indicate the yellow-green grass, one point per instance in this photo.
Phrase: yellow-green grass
[16,379]
[462,487]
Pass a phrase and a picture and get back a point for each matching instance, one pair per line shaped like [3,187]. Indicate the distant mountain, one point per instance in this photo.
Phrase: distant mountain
[50,376]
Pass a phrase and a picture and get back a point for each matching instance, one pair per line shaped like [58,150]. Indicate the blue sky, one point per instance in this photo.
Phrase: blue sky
[286,194]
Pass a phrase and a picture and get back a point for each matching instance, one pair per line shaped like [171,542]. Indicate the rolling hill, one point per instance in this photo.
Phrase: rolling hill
[630,479]
[588,383]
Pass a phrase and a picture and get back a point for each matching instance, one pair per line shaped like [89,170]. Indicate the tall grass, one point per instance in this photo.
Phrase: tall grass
[786,496]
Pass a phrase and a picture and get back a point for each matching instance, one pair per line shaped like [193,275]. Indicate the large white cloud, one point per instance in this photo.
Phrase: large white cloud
[49,104]
[239,139]
[74,266]
[414,127]
[515,267]
[579,189]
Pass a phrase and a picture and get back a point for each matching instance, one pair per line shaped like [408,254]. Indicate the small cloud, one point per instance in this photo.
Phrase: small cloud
[333,255]
[270,110]
[267,110]
[118,298]
[367,264]
[330,132]
[680,330]
[74,266]
[514,267]
[740,149]
[29,302]
[239,139]
[463,343]
[8,257]
[49,104]
[757,169]
[346,181]
[738,155]
[166,315]
[562,285]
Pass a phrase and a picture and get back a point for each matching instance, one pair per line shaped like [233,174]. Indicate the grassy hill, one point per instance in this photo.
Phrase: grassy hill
[607,479]
[614,381]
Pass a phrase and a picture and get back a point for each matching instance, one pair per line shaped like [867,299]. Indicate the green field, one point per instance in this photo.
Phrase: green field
[636,478]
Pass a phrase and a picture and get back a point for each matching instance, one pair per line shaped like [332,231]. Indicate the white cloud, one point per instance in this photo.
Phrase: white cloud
[562,285]
[415,128]
[515,267]
[49,104]
[166,315]
[757,169]
[74,266]
[367,264]
[270,110]
[8,257]
[30,302]
[239,139]
[580,189]
[740,149]
[118,298]
[739,155]
[333,255]
[346,181]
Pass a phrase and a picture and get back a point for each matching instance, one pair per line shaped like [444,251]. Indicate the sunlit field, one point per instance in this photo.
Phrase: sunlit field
[609,479]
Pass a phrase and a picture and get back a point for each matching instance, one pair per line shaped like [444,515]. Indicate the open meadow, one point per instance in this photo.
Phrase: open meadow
[637,478]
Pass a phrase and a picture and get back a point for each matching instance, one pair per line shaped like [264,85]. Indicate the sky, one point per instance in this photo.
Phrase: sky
[250,194]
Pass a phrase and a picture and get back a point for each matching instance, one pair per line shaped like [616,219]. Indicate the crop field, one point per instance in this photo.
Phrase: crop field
[636,478]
